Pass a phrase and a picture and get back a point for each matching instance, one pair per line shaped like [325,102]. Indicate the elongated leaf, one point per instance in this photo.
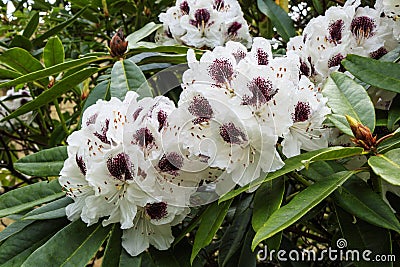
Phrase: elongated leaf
[48,162]
[138,35]
[267,200]
[53,52]
[394,113]
[339,154]
[210,222]
[142,260]
[31,26]
[114,248]
[29,196]
[20,60]
[43,73]
[232,239]
[346,97]
[387,166]
[22,42]
[391,143]
[57,90]
[247,257]
[126,76]
[281,20]
[18,247]
[53,210]
[299,206]
[39,40]
[362,236]
[358,199]
[295,163]
[385,75]
[83,242]
[13,228]
[8,74]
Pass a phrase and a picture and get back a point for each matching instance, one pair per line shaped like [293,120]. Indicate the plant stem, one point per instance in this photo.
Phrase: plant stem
[60,115]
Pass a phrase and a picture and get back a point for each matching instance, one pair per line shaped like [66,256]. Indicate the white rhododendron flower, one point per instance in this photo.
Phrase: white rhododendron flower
[350,29]
[200,24]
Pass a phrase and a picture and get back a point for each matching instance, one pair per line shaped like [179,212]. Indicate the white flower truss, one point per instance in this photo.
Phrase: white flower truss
[350,29]
[12,101]
[143,163]
[206,23]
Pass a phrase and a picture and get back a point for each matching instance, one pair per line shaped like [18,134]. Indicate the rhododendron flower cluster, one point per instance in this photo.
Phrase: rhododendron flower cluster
[203,24]
[141,163]
[350,29]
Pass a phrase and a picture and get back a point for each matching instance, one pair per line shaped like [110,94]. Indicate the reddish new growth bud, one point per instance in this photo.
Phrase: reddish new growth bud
[118,45]
[362,134]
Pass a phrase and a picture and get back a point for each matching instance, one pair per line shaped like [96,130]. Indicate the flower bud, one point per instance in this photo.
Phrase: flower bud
[118,45]
[362,134]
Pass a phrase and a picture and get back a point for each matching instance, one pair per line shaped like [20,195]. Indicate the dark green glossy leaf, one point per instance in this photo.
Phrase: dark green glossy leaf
[346,97]
[247,258]
[29,196]
[142,260]
[385,75]
[358,199]
[281,20]
[57,90]
[20,60]
[387,166]
[83,242]
[302,203]
[391,143]
[8,74]
[126,76]
[295,163]
[32,25]
[114,248]
[18,247]
[22,42]
[48,162]
[210,222]
[101,91]
[13,228]
[53,210]
[44,73]
[53,53]
[394,113]
[362,236]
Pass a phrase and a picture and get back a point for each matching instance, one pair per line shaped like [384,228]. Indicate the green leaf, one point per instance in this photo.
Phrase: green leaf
[295,163]
[300,205]
[22,42]
[113,249]
[281,20]
[362,236]
[142,260]
[31,26]
[53,52]
[20,60]
[18,247]
[44,73]
[48,162]
[210,222]
[126,76]
[53,31]
[57,90]
[267,200]
[82,243]
[394,113]
[101,91]
[358,199]
[13,228]
[385,75]
[138,35]
[8,74]
[346,97]
[29,196]
[231,241]
[391,143]
[387,166]
[247,257]
[339,154]
[319,6]
[53,210]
